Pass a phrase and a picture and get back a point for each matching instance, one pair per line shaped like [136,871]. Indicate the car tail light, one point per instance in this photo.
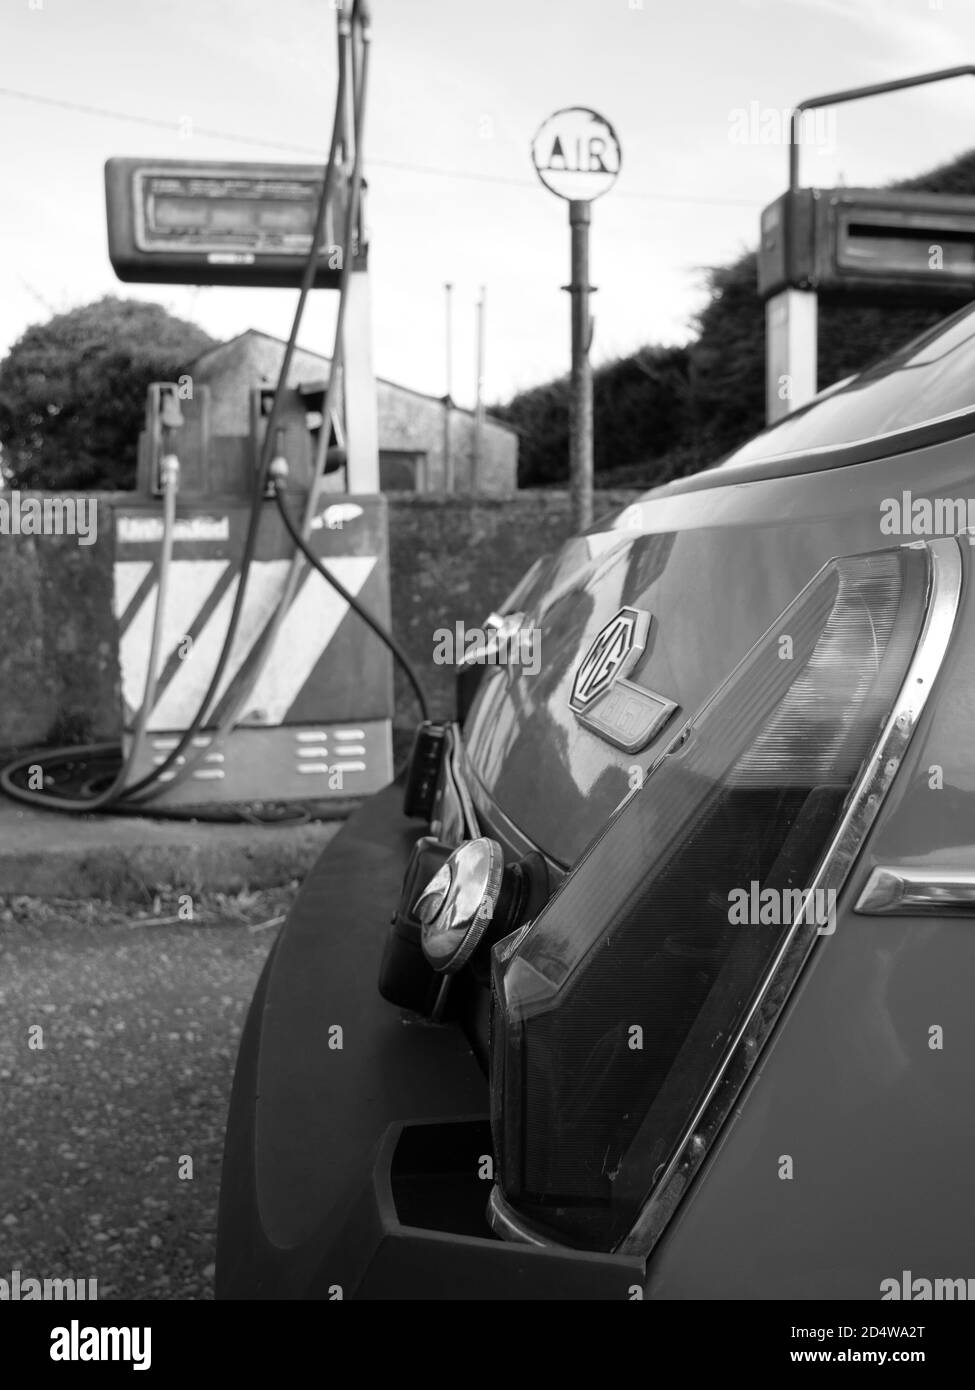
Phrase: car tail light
[627,1016]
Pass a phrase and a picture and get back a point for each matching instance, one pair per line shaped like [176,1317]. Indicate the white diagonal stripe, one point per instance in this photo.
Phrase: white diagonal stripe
[309,625]
[129,574]
[191,583]
[180,701]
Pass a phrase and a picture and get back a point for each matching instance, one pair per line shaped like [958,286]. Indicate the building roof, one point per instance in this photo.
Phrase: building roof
[327,362]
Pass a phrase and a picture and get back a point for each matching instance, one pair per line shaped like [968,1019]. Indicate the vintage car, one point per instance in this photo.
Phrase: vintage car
[652,978]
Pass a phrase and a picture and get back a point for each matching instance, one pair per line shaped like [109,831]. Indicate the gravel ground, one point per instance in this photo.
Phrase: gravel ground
[113,1113]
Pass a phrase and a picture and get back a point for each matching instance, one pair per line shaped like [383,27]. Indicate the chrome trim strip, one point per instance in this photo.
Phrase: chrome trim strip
[944,593]
[454,769]
[453,818]
[937,888]
[507,1224]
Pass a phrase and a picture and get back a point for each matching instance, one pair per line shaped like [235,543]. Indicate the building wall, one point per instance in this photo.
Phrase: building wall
[234,369]
[421,423]
[408,420]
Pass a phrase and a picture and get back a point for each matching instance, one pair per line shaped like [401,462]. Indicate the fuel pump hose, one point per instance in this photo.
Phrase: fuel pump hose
[399,655]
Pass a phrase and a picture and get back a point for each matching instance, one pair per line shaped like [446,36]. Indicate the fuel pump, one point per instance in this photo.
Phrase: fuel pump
[247,674]
[303,707]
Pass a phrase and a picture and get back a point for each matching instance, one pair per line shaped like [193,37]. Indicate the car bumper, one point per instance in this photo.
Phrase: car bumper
[358,1157]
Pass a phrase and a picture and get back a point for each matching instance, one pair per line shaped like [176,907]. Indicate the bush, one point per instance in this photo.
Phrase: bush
[639,408]
[72,392]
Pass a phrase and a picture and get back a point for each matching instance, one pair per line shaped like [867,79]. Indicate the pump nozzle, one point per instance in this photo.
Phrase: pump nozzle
[278,470]
[169,471]
[169,411]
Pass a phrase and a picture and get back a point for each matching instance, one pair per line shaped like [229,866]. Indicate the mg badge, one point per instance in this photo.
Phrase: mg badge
[614,650]
[603,699]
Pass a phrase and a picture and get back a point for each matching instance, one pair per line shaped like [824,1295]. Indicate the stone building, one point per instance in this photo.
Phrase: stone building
[422,440]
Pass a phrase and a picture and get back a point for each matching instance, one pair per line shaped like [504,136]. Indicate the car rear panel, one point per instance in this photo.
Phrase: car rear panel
[335,1156]
[714,569]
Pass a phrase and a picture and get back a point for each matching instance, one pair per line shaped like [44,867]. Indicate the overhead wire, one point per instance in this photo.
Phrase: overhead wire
[395,165]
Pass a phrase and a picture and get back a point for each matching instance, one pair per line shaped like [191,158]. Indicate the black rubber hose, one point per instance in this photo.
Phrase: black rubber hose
[399,655]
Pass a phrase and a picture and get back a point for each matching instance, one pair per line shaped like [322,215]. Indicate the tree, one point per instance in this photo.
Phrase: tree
[73,390]
[639,411]
[664,412]
[728,358]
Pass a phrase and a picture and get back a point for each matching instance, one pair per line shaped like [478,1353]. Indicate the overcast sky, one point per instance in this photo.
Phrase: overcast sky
[458,89]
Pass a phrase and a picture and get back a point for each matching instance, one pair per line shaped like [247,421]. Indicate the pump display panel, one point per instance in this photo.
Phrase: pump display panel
[870,243]
[214,223]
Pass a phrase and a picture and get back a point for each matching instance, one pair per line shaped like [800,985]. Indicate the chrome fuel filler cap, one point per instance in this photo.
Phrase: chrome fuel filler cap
[458,905]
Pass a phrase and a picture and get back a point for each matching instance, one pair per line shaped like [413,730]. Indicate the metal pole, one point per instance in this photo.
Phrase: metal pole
[857,94]
[448,462]
[580,391]
[479,398]
[358,382]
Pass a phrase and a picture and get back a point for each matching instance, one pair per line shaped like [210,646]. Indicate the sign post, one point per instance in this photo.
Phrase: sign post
[577,156]
[580,382]
[448,400]
[790,351]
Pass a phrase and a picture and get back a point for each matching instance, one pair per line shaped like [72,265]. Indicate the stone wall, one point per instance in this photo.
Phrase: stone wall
[455,559]
[452,559]
[58,648]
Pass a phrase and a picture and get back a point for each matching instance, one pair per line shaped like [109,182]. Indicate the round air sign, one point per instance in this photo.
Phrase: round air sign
[576,154]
